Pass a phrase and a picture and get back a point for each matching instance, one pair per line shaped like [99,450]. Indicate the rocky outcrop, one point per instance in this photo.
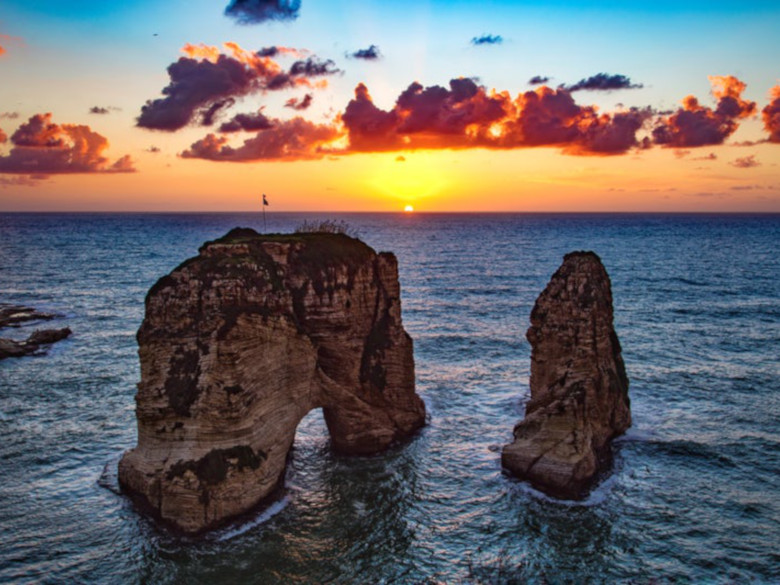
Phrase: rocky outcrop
[239,343]
[579,388]
[18,315]
[11,348]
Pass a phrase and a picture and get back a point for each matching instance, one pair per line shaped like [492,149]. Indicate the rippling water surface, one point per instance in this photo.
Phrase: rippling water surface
[694,496]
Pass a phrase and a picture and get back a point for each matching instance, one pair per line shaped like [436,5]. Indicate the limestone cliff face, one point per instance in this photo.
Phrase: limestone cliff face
[579,388]
[239,343]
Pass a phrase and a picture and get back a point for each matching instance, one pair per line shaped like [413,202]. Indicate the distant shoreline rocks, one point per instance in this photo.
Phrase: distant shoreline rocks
[579,387]
[17,315]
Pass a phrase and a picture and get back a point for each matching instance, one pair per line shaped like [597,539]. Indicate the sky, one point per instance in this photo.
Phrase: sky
[203,105]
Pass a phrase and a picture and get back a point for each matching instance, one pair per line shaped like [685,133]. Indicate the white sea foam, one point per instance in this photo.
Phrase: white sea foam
[261,518]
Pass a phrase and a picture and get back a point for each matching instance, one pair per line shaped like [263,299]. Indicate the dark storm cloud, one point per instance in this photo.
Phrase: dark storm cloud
[247,122]
[771,115]
[538,80]
[603,82]
[259,11]
[697,125]
[43,147]
[487,40]
[370,54]
[301,104]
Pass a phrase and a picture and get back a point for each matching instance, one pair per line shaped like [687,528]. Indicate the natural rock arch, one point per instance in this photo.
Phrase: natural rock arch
[239,343]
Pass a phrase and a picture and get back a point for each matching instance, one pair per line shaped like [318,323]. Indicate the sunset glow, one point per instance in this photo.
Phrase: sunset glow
[200,113]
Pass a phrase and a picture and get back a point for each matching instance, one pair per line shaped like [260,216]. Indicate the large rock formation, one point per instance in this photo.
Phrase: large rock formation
[579,388]
[239,343]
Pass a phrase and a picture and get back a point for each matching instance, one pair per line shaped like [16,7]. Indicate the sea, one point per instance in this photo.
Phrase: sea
[693,495]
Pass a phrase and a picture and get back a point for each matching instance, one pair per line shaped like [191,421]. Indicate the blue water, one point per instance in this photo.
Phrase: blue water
[694,495]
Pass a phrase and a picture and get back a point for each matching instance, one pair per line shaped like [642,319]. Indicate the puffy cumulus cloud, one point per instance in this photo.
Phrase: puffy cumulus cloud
[43,147]
[205,82]
[246,122]
[258,11]
[746,162]
[697,125]
[299,104]
[771,115]
[294,139]
[538,80]
[603,82]
[466,115]
[487,40]
[370,54]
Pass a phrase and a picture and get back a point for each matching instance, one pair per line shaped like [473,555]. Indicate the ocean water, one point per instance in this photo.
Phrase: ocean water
[694,495]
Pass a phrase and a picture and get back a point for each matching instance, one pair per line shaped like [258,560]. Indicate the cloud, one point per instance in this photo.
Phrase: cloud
[9,115]
[98,110]
[467,116]
[400,158]
[3,137]
[259,11]
[697,125]
[294,139]
[745,187]
[2,51]
[206,82]
[538,80]
[21,181]
[153,149]
[771,115]
[247,122]
[43,147]
[603,82]
[301,104]
[370,54]
[487,40]
[746,162]
[710,156]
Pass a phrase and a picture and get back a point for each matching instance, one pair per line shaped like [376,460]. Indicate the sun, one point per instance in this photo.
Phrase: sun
[408,209]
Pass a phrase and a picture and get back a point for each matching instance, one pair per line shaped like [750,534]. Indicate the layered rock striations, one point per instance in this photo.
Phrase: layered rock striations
[239,343]
[579,388]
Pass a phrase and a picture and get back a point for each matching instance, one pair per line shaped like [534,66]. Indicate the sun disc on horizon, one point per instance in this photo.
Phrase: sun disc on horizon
[408,209]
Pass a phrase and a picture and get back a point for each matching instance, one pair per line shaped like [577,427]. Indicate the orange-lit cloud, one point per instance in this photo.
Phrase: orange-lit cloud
[746,162]
[467,116]
[43,147]
[771,115]
[294,139]
[3,136]
[299,104]
[206,82]
[697,125]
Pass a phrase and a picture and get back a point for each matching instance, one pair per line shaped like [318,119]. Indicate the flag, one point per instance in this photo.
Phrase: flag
[265,201]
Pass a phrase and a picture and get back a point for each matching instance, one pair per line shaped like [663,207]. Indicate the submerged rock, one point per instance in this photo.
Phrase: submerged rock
[11,348]
[579,388]
[239,343]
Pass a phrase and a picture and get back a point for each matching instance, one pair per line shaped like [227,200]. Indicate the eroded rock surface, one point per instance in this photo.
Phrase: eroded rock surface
[579,388]
[239,343]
